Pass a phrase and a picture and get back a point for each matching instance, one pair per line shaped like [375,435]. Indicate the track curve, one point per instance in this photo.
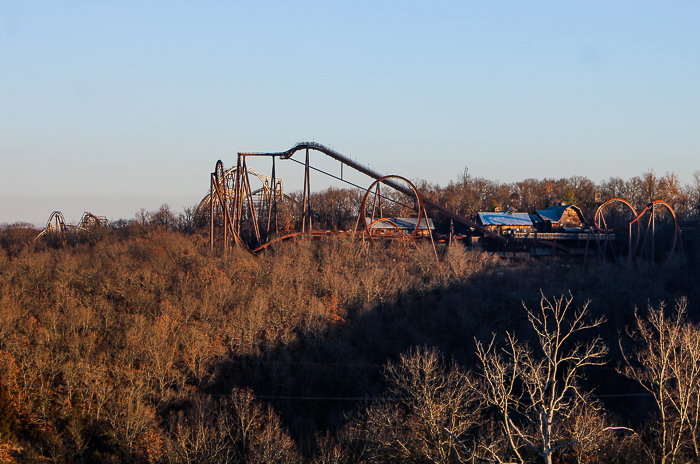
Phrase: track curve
[376,175]
[635,220]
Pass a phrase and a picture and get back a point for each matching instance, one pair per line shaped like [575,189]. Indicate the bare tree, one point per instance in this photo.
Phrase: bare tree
[614,187]
[666,363]
[583,189]
[428,412]
[691,192]
[200,434]
[130,418]
[526,191]
[256,432]
[536,393]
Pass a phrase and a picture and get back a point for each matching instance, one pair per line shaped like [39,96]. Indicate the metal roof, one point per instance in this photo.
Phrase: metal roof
[505,219]
[555,212]
[403,223]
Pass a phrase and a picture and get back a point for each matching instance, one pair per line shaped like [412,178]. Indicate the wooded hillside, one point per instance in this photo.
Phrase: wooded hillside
[140,346]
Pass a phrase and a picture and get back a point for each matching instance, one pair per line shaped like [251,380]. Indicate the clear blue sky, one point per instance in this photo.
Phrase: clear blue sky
[112,107]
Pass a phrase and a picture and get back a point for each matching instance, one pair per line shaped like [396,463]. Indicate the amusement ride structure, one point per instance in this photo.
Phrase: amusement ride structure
[57,230]
[637,234]
[247,209]
[239,215]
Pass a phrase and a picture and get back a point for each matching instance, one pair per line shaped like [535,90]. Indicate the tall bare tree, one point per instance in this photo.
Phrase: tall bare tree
[666,363]
[536,392]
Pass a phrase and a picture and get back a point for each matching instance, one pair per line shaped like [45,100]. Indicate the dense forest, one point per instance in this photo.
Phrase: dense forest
[138,344]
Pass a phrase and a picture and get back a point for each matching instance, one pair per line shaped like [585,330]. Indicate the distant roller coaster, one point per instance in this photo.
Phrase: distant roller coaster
[252,216]
[234,204]
[260,195]
[651,234]
[57,229]
[246,220]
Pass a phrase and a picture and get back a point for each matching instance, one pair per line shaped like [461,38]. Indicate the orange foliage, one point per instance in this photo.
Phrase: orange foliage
[332,304]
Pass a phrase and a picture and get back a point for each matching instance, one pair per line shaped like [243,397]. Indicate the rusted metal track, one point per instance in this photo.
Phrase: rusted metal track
[57,229]
[648,233]
[344,160]
[368,225]
[505,242]
[376,176]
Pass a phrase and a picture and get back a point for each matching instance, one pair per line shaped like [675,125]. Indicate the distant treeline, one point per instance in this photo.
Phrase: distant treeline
[336,208]
[472,194]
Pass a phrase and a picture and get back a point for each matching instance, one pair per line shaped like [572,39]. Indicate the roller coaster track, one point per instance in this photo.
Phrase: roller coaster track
[604,228]
[226,179]
[240,190]
[376,176]
[56,226]
[500,239]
